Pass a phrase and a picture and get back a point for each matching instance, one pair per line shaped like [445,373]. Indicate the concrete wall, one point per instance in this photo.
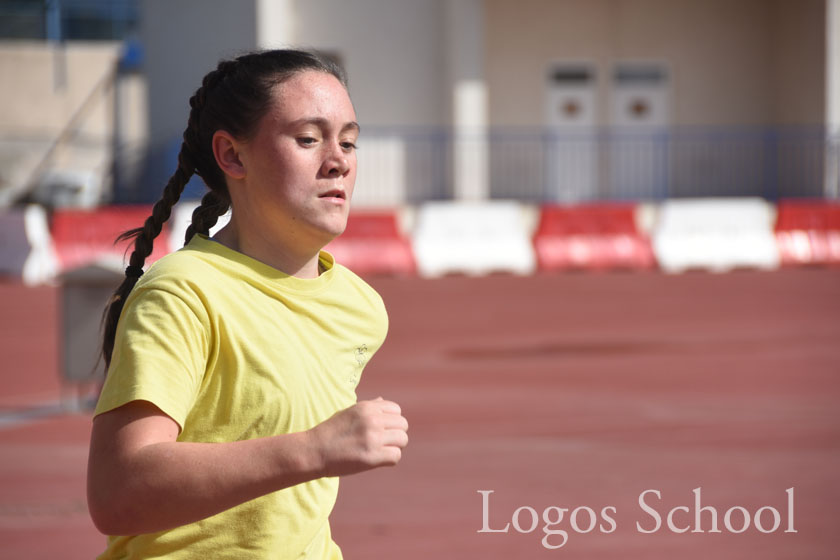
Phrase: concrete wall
[183,41]
[43,86]
[395,55]
[798,58]
[394,52]
[43,89]
[732,62]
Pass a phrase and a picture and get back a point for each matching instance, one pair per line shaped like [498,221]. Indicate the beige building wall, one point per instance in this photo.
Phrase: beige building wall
[183,41]
[731,62]
[799,61]
[57,116]
[394,52]
[43,86]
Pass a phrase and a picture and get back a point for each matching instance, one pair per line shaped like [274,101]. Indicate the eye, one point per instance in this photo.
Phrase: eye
[307,140]
[348,146]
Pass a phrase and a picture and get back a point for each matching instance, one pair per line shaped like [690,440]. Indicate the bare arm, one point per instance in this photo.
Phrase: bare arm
[141,480]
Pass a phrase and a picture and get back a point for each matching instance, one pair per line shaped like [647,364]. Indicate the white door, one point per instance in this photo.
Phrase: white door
[571,143]
[637,150]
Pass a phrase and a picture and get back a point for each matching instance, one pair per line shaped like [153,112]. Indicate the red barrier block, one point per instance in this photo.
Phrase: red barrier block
[808,232]
[597,236]
[372,244]
[83,237]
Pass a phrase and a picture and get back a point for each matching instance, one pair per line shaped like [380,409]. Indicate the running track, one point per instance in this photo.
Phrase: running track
[557,390]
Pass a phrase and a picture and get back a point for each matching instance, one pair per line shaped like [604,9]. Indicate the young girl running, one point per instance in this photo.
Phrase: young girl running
[229,408]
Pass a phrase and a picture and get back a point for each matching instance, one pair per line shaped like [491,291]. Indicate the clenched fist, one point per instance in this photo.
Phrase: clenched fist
[367,435]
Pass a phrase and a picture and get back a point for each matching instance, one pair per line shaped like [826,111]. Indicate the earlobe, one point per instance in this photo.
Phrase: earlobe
[226,152]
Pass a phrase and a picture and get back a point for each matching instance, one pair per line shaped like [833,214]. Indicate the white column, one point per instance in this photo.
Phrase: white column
[275,24]
[465,61]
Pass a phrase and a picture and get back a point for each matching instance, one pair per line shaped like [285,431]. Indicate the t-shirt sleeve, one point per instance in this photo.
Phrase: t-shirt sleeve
[160,354]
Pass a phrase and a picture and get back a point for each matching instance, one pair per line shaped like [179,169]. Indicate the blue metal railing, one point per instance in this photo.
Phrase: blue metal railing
[413,165]
[685,161]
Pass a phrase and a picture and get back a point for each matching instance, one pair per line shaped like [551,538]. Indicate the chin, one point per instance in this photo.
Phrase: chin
[334,229]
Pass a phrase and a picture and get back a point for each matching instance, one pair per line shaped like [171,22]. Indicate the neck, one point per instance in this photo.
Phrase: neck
[301,264]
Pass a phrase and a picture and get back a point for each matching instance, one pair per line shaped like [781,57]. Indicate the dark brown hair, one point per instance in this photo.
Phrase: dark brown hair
[233,98]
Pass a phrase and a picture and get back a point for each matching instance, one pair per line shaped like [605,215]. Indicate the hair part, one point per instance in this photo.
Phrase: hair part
[233,97]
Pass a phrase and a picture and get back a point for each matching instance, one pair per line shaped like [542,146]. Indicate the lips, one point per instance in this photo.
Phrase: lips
[334,193]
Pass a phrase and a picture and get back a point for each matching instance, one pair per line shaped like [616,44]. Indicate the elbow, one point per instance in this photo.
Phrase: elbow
[113,512]
[102,520]
[99,504]
[125,510]
[116,505]
[107,515]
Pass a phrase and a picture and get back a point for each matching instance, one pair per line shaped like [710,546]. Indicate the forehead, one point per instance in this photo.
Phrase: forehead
[312,94]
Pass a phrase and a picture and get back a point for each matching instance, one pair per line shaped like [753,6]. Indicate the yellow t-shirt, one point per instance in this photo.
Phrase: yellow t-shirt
[233,349]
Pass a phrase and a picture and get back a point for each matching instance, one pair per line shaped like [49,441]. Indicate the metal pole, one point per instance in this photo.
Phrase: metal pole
[54,36]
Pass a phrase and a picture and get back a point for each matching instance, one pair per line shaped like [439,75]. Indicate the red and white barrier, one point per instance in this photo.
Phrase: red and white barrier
[716,234]
[84,237]
[472,238]
[596,236]
[372,244]
[808,232]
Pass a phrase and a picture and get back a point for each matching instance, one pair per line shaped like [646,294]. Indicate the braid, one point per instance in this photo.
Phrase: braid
[144,238]
[189,162]
[216,202]
[205,216]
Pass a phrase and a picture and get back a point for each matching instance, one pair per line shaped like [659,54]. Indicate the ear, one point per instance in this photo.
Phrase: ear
[226,152]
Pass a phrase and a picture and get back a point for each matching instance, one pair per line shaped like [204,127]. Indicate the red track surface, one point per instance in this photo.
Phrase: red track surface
[563,390]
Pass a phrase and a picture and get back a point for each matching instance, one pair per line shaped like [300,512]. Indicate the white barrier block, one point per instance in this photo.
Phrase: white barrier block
[716,234]
[42,262]
[472,238]
[26,248]
[182,218]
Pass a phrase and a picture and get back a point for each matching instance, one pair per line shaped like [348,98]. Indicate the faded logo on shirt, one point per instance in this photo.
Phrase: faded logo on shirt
[361,354]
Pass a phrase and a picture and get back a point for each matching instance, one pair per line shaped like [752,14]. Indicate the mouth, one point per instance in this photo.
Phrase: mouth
[334,193]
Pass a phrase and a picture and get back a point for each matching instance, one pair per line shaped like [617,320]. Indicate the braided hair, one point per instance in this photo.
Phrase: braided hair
[233,98]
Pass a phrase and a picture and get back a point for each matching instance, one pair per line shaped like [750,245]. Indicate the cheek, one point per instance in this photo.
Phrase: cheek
[350,183]
[353,167]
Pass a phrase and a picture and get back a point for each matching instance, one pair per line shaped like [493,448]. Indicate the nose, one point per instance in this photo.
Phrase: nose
[336,161]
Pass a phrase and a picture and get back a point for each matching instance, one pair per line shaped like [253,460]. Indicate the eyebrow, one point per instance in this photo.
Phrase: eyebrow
[323,123]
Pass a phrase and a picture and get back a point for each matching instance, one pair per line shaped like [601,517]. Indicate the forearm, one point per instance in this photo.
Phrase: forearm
[142,480]
[168,484]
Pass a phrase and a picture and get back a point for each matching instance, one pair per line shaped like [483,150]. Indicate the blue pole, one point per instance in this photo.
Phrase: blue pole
[54,35]
[53,20]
